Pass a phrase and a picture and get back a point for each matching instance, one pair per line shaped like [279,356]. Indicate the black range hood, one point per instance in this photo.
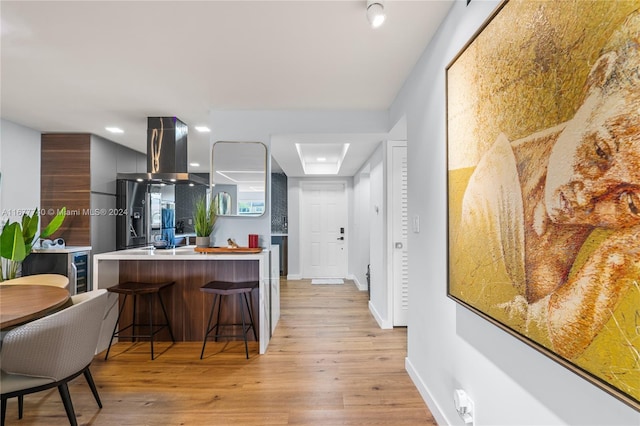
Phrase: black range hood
[166,154]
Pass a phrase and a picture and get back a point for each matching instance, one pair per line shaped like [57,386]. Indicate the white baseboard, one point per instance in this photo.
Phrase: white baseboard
[435,409]
[294,277]
[358,284]
[384,324]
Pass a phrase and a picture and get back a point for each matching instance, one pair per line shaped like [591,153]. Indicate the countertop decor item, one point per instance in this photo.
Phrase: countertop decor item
[231,250]
[204,219]
[17,238]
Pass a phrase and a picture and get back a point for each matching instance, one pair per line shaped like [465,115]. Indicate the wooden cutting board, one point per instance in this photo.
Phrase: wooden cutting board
[228,250]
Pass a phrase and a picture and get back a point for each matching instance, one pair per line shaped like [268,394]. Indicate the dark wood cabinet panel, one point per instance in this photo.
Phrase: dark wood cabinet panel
[65,141]
[65,182]
[187,307]
[72,165]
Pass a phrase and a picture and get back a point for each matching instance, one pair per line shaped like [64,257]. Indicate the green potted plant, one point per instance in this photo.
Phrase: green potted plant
[17,238]
[204,218]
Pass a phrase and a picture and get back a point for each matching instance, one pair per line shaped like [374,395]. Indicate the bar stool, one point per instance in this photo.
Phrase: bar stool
[142,289]
[225,288]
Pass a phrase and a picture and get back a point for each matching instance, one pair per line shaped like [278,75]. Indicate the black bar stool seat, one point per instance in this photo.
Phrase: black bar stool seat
[140,289]
[226,288]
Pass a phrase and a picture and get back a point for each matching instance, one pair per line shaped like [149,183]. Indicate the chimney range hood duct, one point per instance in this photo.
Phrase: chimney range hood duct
[166,154]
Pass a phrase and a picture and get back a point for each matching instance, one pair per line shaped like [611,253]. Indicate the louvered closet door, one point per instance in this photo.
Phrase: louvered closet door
[399,223]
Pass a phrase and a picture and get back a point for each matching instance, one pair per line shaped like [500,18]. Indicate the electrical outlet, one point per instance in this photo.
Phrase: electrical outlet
[464,406]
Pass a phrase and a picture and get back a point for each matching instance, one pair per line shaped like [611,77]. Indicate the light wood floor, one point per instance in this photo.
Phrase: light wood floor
[328,364]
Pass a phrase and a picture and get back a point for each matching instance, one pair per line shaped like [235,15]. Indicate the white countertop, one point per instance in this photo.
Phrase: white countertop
[178,253]
[67,249]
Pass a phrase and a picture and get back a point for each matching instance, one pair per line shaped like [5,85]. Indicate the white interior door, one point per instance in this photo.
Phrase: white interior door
[399,231]
[323,234]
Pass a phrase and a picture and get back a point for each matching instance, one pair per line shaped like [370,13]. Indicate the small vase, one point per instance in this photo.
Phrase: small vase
[203,242]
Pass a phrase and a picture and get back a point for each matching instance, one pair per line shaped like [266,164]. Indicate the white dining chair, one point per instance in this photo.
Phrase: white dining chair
[51,351]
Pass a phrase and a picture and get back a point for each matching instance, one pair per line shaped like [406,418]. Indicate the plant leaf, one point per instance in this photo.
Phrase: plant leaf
[202,220]
[55,223]
[11,243]
[29,226]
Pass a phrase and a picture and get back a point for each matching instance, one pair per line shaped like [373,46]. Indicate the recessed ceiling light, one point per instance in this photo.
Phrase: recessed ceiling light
[114,129]
[194,164]
[203,129]
[322,159]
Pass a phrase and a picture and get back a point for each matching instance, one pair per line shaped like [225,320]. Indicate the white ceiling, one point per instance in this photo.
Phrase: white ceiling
[79,66]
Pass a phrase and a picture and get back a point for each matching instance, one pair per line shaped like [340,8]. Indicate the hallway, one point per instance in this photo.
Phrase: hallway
[328,364]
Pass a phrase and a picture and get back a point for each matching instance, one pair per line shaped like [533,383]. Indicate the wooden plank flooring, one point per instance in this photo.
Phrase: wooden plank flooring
[328,364]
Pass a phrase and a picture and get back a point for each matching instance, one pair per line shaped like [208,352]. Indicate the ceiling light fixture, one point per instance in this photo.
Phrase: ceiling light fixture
[194,164]
[375,13]
[203,129]
[114,129]
[322,158]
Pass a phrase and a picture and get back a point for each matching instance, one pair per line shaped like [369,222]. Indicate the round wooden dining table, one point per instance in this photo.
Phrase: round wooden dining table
[23,303]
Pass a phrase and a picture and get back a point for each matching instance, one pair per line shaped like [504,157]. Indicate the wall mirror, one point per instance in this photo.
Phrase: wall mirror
[239,178]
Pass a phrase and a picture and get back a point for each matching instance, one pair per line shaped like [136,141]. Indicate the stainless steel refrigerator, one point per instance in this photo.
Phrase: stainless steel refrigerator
[131,227]
[162,214]
[149,214]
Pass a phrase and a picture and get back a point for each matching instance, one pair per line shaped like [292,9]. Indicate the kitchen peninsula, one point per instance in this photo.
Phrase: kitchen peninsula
[187,306]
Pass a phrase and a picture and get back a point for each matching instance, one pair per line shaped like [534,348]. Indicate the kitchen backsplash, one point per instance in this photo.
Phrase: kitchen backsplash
[185,198]
[279,222]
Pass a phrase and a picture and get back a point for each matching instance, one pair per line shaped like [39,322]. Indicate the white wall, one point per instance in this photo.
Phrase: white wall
[448,346]
[293,216]
[359,238]
[379,298]
[242,127]
[20,168]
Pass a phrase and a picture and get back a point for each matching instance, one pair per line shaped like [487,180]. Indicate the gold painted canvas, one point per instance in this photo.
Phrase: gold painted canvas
[543,146]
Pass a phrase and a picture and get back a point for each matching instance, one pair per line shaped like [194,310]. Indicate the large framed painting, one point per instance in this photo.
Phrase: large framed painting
[543,153]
